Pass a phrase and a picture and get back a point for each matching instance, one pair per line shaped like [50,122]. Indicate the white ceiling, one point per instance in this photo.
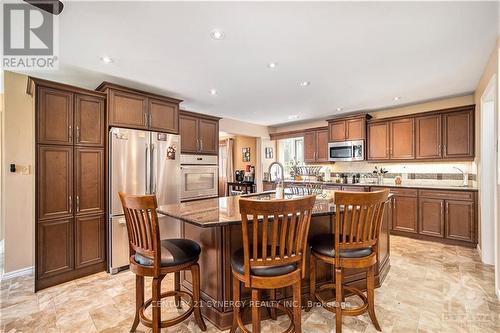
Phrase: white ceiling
[357,56]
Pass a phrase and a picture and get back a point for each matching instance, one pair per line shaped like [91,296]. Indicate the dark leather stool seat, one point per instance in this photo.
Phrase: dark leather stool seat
[324,245]
[173,252]
[238,265]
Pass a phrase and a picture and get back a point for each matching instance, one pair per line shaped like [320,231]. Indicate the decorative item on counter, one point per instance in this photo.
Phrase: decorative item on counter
[337,178]
[380,174]
[328,175]
[280,189]
[397,180]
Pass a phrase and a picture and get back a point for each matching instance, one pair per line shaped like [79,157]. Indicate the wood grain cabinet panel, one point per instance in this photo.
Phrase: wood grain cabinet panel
[127,109]
[55,181]
[431,217]
[310,147]
[405,214]
[55,247]
[89,240]
[402,139]
[89,177]
[355,129]
[337,130]
[459,222]
[55,116]
[164,116]
[209,136]
[378,141]
[188,128]
[428,137]
[458,134]
[89,120]
[322,145]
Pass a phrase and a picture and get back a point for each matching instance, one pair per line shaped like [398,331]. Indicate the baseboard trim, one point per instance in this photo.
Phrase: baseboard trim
[18,273]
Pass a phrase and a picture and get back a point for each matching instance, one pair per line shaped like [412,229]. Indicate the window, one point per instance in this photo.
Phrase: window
[291,152]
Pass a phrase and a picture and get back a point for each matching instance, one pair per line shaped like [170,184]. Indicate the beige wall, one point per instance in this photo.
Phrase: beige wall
[18,146]
[237,127]
[243,142]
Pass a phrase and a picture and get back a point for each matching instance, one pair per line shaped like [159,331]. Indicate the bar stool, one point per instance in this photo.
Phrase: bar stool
[150,256]
[272,255]
[358,220]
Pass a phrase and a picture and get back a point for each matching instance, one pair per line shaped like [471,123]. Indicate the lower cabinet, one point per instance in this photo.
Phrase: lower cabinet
[405,213]
[460,220]
[55,247]
[89,240]
[431,217]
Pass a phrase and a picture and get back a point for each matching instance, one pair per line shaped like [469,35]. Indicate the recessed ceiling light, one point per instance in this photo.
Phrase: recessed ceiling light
[213,92]
[272,65]
[106,59]
[339,109]
[397,98]
[293,117]
[217,34]
[305,83]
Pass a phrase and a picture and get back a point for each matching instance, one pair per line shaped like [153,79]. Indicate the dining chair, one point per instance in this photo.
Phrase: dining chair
[358,220]
[152,257]
[274,236]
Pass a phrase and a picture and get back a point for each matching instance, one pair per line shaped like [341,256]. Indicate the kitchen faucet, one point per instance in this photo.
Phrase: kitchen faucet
[465,176]
[282,170]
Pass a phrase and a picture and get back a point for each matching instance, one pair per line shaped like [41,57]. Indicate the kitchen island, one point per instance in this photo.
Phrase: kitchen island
[215,224]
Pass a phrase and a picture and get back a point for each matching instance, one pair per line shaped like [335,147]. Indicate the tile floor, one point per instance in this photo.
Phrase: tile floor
[430,288]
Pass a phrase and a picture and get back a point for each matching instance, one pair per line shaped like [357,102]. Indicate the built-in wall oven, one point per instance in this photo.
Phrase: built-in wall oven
[199,177]
[346,151]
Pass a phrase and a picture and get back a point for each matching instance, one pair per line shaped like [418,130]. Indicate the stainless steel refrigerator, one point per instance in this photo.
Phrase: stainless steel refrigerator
[141,162]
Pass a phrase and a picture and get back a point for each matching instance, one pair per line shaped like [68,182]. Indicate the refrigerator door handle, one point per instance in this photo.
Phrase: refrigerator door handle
[153,171]
[146,168]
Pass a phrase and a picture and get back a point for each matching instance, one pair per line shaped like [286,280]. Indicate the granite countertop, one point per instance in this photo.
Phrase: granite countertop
[224,211]
[426,184]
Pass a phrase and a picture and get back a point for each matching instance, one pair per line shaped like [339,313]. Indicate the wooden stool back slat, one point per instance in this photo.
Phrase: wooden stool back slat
[285,222]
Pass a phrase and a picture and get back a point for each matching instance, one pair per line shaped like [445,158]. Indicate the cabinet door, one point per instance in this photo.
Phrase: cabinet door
[378,141]
[322,145]
[127,109]
[164,116]
[337,131]
[404,214]
[310,147]
[402,142]
[209,136]
[55,116]
[459,221]
[89,178]
[458,134]
[89,240]
[188,129]
[55,247]
[355,129]
[354,188]
[428,137]
[89,120]
[431,217]
[55,181]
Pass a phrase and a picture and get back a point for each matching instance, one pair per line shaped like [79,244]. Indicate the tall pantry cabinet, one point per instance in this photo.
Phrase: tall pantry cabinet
[70,182]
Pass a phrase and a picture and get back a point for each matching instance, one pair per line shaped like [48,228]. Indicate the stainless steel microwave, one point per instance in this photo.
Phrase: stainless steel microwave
[346,151]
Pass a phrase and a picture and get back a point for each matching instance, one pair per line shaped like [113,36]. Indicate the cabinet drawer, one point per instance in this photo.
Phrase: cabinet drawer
[449,195]
[354,188]
[404,192]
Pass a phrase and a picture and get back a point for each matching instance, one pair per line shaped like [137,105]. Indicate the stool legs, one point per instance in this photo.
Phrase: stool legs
[272,298]
[177,287]
[312,282]
[338,300]
[255,311]
[195,272]
[370,292]
[156,303]
[297,307]
[236,305]
[139,300]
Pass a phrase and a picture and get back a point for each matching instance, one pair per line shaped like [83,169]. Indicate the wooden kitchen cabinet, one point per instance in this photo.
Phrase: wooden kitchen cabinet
[131,108]
[316,145]
[322,145]
[378,141]
[70,183]
[402,139]
[428,137]
[355,129]
[431,217]
[460,220]
[199,133]
[337,131]
[405,211]
[348,129]
[458,134]
[55,123]
[310,147]
[89,120]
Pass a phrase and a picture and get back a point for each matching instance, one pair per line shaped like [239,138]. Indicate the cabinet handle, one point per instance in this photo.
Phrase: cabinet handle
[70,133]
[150,120]
[70,204]
[201,144]
[77,133]
[77,203]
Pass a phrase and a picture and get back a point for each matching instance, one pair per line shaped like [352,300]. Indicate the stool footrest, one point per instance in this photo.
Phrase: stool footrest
[168,322]
[356,311]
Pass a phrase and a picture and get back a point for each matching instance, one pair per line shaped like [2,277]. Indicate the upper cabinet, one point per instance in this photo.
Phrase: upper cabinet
[199,133]
[132,108]
[347,129]
[316,145]
[89,120]
[55,123]
[446,134]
